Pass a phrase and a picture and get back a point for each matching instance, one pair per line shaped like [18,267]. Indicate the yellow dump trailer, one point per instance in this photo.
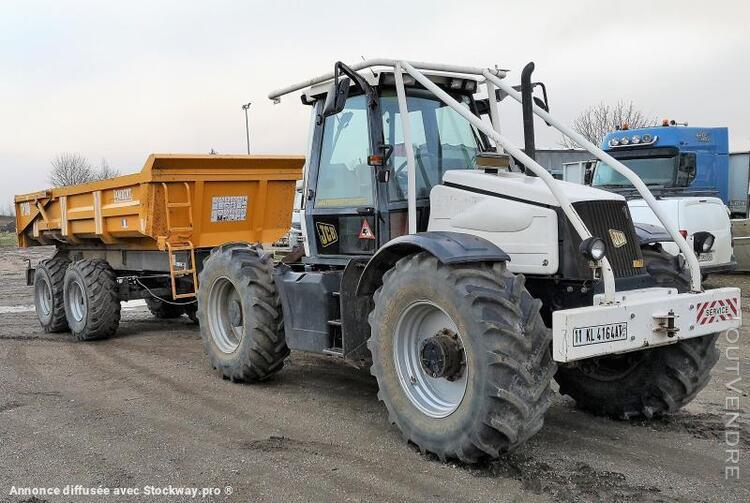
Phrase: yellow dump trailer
[150,231]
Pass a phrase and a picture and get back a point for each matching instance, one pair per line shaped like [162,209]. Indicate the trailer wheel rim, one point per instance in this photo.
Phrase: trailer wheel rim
[76,301]
[44,296]
[225,317]
[435,397]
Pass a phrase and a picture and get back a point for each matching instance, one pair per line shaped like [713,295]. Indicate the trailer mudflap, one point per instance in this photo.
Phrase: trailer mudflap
[641,319]
[30,271]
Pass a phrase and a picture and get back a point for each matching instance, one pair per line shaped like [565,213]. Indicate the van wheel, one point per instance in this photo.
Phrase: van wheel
[461,356]
[92,306]
[649,382]
[49,279]
[164,310]
[241,319]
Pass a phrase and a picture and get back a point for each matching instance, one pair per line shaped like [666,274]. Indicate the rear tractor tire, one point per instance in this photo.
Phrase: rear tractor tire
[462,357]
[49,279]
[650,382]
[92,306]
[240,311]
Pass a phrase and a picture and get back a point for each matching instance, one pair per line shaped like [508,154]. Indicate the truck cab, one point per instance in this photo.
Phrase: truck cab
[687,168]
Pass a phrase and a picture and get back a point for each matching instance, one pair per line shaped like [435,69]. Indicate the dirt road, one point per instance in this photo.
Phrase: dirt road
[143,409]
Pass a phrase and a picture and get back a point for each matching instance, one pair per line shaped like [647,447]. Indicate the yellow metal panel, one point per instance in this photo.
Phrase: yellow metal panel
[213,199]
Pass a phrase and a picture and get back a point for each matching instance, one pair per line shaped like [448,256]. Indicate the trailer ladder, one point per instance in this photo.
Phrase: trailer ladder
[176,241]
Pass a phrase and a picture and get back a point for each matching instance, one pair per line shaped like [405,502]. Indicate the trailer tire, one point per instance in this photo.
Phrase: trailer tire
[191,311]
[92,305]
[505,350]
[242,323]
[646,383]
[49,281]
[163,310]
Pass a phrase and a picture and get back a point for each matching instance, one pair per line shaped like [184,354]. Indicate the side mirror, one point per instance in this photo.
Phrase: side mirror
[541,104]
[686,170]
[336,97]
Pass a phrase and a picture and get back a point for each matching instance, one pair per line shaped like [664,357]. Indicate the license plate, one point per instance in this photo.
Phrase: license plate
[598,334]
[705,257]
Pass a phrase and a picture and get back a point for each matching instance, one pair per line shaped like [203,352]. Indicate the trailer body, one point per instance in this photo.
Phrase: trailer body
[206,200]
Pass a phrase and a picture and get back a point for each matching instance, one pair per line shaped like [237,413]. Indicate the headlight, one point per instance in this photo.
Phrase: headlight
[703,242]
[635,139]
[593,248]
[647,138]
[613,142]
[624,140]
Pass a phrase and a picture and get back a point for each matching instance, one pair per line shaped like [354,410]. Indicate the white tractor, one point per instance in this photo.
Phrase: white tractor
[446,258]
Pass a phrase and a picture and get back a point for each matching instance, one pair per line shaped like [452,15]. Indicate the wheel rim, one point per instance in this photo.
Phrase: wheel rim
[76,301]
[225,318]
[436,397]
[44,297]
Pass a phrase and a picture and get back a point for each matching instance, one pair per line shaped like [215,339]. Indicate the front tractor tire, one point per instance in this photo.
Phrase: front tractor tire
[646,383]
[240,312]
[462,357]
[49,279]
[92,305]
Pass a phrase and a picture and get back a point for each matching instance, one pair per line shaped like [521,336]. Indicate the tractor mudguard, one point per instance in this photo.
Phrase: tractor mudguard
[447,247]
[649,234]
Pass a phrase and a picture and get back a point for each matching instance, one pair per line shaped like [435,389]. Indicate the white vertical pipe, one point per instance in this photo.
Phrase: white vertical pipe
[410,161]
[565,204]
[687,251]
[494,112]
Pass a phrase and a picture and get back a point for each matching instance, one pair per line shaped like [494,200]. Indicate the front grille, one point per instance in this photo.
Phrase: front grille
[602,216]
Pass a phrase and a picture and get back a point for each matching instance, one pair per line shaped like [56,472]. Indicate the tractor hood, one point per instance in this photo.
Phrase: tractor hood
[523,188]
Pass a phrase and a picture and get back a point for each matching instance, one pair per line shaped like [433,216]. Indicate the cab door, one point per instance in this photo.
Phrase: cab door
[342,217]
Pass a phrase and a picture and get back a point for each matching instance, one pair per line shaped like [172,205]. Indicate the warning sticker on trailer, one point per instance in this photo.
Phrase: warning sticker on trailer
[716,310]
[228,208]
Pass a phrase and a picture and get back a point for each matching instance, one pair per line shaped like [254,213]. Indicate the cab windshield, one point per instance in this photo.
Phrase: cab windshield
[442,140]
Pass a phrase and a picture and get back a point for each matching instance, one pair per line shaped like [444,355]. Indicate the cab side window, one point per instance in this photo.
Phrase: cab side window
[344,178]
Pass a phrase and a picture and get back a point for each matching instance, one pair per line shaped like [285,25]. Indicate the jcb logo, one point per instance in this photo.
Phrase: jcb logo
[327,233]
[618,238]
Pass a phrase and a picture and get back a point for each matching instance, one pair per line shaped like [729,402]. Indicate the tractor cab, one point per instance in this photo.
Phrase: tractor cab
[356,184]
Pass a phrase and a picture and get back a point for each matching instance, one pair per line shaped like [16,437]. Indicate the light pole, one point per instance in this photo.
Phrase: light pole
[247,127]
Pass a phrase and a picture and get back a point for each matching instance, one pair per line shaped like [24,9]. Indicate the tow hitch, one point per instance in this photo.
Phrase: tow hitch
[665,324]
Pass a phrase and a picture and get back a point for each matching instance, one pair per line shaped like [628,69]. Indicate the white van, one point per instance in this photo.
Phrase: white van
[693,215]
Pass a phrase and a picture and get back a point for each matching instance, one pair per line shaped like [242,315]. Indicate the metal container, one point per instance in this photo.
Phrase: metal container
[199,201]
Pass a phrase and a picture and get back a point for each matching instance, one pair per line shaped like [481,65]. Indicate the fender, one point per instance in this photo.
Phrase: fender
[447,247]
[649,234]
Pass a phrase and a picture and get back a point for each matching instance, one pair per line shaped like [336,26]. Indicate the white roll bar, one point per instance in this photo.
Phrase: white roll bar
[687,251]
[493,78]
[390,63]
[549,180]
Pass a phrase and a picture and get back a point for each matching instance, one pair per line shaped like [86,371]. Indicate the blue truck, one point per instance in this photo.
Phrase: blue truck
[681,160]
[690,172]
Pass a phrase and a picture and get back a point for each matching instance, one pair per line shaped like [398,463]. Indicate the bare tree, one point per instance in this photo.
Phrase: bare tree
[70,169]
[598,120]
[104,171]
[73,169]
[8,210]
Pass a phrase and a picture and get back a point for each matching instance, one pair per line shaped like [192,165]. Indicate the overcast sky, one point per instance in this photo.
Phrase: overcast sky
[119,80]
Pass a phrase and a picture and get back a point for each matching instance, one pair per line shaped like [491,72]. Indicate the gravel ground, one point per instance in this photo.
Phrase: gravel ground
[143,409]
